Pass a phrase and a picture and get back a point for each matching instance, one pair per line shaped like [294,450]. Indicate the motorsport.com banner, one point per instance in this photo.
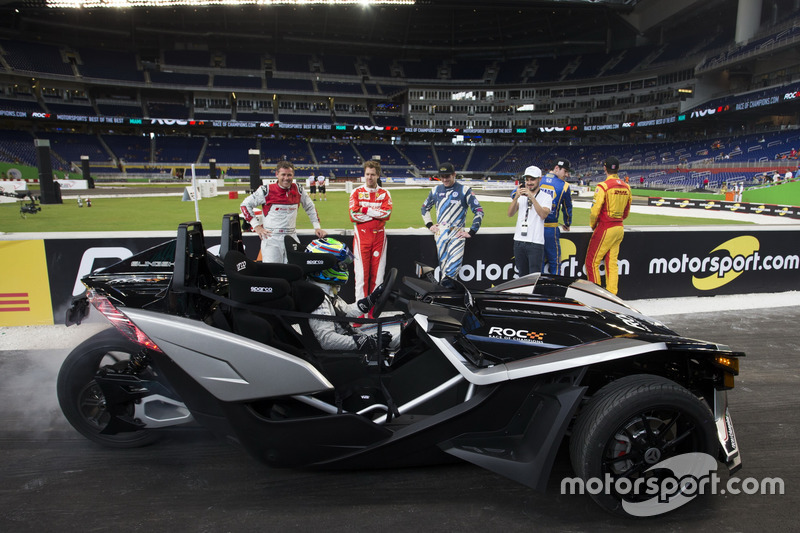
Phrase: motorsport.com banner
[652,264]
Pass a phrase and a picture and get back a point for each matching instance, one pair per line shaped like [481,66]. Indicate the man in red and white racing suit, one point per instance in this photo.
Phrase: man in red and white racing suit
[279,202]
[370,208]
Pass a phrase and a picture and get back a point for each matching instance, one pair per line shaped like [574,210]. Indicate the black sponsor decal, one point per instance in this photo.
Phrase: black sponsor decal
[723,205]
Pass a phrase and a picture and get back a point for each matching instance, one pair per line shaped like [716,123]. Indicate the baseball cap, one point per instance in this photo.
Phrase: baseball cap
[533,171]
[447,168]
[563,163]
[612,164]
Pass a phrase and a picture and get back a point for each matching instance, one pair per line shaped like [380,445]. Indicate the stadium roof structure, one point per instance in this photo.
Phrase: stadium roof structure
[442,28]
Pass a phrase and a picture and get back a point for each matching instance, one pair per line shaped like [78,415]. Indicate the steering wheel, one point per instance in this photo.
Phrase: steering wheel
[383,299]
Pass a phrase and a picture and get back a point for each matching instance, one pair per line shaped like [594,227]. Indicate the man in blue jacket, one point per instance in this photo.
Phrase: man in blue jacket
[554,183]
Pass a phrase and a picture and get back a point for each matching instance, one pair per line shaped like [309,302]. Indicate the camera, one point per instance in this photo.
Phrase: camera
[29,208]
[25,208]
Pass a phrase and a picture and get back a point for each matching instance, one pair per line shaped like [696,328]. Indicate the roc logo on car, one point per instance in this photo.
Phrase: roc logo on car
[511,333]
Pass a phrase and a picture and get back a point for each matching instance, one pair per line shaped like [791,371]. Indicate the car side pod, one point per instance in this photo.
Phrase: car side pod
[525,449]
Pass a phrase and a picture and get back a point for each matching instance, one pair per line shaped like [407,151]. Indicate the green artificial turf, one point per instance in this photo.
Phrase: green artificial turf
[166,212]
[783,194]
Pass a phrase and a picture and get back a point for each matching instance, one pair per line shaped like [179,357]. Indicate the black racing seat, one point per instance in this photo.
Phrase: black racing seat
[231,236]
[194,270]
[267,284]
[273,287]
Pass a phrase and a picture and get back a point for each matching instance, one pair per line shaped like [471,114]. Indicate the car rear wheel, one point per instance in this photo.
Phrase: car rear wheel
[80,397]
[632,425]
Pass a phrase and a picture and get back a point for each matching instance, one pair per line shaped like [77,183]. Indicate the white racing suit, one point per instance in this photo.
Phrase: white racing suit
[279,216]
[339,335]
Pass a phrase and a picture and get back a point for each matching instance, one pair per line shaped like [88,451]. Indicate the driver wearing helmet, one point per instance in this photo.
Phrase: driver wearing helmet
[342,335]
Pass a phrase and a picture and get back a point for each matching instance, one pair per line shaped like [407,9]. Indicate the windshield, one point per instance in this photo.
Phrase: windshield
[525,284]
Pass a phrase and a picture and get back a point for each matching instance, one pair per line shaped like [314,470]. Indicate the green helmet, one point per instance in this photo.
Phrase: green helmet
[337,274]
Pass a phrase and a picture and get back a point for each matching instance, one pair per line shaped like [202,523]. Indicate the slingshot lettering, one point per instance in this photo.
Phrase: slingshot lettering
[157,264]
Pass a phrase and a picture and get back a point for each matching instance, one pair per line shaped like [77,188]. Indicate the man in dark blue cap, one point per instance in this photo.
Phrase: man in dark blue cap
[554,183]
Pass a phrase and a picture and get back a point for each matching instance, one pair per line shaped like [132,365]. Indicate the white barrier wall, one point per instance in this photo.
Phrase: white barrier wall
[73,184]
[11,187]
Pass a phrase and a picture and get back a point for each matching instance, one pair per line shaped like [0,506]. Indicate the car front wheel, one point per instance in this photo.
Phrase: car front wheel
[625,433]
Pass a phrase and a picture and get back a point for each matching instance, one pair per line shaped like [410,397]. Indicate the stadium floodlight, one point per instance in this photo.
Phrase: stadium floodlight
[91,4]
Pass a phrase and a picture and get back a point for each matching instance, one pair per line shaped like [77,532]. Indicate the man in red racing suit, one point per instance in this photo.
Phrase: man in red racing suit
[280,201]
[370,208]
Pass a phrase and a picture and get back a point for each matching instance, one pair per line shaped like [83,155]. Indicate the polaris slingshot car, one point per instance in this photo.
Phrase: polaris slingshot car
[500,378]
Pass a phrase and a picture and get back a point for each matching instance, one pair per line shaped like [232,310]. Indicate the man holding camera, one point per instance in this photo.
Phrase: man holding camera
[531,205]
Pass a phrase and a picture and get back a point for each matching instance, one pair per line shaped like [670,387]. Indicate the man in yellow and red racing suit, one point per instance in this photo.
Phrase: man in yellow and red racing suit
[612,203]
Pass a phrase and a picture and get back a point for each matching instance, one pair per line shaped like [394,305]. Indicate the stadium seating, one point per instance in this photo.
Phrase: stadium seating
[340,153]
[420,155]
[229,150]
[35,57]
[290,84]
[17,147]
[339,87]
[339,64]
[388,153]
[244,61]
[158,83]
[237,82]
[178,149]
[295,150]
[187,58]
[179,78]
[419,69]
[129,148]
[286,62]
[486,157]
[60,108]
[167,110]
[456,154]
[24,105]
[109,64]
[71,146]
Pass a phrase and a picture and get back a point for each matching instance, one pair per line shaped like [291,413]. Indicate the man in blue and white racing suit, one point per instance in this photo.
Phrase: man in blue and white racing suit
[451,200]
